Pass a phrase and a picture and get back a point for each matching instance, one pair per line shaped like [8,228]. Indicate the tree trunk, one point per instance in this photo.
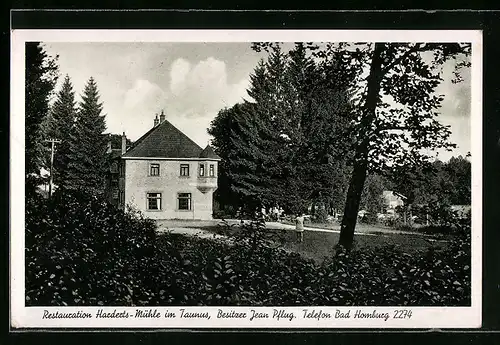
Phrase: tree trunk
[361,157]
[352,204]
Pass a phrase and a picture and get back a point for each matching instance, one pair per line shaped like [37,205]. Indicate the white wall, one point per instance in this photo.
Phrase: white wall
[138,183]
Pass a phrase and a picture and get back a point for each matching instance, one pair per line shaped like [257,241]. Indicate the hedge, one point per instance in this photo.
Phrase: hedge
[82,251]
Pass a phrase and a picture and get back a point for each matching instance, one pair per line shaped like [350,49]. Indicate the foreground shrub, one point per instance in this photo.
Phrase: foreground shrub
[81,251]
[207,272]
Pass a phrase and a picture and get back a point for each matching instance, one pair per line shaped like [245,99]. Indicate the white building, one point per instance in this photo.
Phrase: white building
[392,200]
[166,175]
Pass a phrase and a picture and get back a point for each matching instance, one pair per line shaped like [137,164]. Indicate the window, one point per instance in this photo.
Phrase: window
[184,201]
[211,171]
[184,169]
[202,169]
[115,193]
[154,201]
[154,169]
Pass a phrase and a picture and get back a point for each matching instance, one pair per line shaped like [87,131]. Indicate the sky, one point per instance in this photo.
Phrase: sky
[191,82]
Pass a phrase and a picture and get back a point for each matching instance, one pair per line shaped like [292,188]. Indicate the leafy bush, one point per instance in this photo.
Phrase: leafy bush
[320,216]
[441,214]
[369,218]
[225,213]
[251,234]
[392,222]
[82,251]
[216,273]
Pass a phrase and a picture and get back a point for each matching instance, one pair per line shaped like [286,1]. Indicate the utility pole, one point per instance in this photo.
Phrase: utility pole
[53,142]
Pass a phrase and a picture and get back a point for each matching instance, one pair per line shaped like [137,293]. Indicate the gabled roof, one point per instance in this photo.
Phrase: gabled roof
[164,141]
[208,152]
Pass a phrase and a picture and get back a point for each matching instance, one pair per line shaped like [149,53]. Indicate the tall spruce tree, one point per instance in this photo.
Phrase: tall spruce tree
[280,146]
[60,126]
[322,116]
[41,77]
[252,159]
[220,129]
[88,144]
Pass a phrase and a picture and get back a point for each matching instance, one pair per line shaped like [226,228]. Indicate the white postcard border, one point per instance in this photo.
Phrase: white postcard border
[422,317]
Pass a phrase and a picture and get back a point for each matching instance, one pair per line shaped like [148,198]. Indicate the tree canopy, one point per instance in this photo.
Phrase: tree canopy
[88,144]
[393,102]
[41,77]
[397,110]
[61,126]
[436,183]
[287,144]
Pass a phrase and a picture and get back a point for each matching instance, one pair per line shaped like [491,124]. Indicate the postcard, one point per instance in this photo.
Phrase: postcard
[271,179]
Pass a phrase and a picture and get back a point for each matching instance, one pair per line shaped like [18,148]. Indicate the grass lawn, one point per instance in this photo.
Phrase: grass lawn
[319,245]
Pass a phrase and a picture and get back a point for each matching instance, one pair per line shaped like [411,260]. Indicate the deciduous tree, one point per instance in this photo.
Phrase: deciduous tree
[397,112]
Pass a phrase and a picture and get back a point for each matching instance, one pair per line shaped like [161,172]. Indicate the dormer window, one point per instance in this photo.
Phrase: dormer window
[202,169]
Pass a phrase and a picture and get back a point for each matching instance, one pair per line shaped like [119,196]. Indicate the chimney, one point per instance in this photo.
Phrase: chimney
[162,117]
[124,143]
[157,122]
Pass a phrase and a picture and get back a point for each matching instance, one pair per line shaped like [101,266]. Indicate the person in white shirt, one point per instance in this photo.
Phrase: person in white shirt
[299,227]
[276,214]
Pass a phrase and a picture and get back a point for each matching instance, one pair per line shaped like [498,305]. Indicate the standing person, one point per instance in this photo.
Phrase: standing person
[263,213]
[299,227]
[276,214]
[280,214]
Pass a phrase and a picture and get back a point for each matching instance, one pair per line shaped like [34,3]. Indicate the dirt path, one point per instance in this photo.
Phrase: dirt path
[360,229]
[195,228]
[191,232]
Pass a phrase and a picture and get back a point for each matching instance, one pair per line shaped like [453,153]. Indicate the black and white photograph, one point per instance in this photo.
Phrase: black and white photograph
[247,179]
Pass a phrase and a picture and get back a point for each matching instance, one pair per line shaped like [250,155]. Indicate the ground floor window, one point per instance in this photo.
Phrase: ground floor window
[184,201]
[154,201]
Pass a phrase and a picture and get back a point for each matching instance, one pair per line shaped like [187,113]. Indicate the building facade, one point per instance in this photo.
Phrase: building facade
[166,175]
[392,200]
